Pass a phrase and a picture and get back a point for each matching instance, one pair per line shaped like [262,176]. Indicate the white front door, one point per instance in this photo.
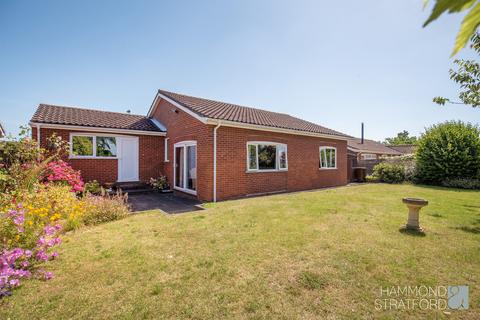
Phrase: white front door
[127,159]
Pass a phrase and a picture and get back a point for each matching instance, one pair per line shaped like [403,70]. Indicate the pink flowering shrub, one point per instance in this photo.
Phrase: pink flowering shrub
[24,245]
[61,171]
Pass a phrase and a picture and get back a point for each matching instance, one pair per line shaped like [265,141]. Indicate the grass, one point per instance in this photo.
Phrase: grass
[304,255]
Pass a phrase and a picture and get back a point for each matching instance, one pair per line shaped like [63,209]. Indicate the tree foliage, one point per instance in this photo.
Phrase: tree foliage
[401,138]
[450,150]
[467,76]
[469,24]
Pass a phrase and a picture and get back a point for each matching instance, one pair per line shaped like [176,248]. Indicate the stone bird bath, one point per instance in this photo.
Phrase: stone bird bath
[414,205]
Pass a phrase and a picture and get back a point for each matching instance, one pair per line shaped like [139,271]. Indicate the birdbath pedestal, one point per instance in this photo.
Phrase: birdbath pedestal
[414,205]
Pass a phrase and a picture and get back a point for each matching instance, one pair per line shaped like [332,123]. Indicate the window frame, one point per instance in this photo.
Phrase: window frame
[184,145]
[277,156]
[166,150]
[320,157]
[94,148]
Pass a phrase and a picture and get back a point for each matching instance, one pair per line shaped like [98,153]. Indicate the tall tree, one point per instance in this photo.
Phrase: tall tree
[401,138]
[469,24]
[467,76]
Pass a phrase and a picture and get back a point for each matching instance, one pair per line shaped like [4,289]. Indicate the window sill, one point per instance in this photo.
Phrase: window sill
[327,169]
[262,171]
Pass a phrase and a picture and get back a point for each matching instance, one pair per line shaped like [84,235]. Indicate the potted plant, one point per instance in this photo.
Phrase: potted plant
[160,184]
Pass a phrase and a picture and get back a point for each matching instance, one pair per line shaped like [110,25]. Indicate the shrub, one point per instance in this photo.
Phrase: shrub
[161,183]
[389,173]
[93,187]
[106,208]
[408,162]
[53,203]
[60,171]
[371,179]
[462,183]
[449,150]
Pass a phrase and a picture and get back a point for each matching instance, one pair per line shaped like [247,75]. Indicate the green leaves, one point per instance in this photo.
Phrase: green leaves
[469,24]
[450,150]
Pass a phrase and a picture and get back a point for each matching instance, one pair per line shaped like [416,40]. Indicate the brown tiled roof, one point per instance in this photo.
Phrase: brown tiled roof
[77,116]
[404,148]
[232,112]
[370,146]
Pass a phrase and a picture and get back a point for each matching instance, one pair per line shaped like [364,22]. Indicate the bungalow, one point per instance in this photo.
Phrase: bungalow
[364,153]
[208,149]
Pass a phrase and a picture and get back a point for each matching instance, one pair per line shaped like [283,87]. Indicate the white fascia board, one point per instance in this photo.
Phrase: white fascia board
[176,104]
[272,129]
[97,129]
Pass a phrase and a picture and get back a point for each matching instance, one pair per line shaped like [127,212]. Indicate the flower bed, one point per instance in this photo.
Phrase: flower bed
[42,196]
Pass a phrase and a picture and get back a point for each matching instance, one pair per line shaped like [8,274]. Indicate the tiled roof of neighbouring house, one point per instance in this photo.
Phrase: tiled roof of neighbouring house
[370,146]
[232,112]
[77,116]
[404,148]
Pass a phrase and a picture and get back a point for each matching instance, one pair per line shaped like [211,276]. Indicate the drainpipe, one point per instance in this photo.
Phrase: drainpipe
[215,161]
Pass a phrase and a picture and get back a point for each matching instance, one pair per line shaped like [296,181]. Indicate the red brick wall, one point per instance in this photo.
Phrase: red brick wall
[232,179]
[182,127]
[303,164]
[106,170]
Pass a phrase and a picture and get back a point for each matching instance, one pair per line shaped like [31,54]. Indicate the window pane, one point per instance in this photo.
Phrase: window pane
[179,167]
[267,155]
[191,168]
[328,154]
[323,159]
[252,157]
[82,146]
[333,155]
[106,147]
[282,153]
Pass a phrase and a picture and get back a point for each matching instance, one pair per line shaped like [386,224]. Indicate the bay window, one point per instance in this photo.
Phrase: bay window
[266,156]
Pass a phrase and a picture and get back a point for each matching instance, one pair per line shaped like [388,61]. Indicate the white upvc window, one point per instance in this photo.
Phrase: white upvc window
[328,158]
[263,156]
[369,156]
[185,166]
[166,150]
[86,145]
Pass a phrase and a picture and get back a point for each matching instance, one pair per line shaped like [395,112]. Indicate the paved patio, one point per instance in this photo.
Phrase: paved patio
[167,202]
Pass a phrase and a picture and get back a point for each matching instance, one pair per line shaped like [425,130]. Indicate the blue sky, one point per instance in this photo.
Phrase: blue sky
[335,63]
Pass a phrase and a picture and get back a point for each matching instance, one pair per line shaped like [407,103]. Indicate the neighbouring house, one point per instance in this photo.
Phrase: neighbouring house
[208,149]
[364,153]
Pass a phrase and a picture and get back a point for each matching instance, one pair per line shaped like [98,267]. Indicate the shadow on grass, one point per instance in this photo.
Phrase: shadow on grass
[474,230]
[413,233]
[426,186]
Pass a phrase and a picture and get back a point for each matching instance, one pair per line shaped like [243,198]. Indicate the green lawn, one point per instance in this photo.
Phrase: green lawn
[303,255]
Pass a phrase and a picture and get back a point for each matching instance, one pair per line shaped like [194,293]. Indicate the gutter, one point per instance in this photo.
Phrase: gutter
[234,124]
[215,160]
